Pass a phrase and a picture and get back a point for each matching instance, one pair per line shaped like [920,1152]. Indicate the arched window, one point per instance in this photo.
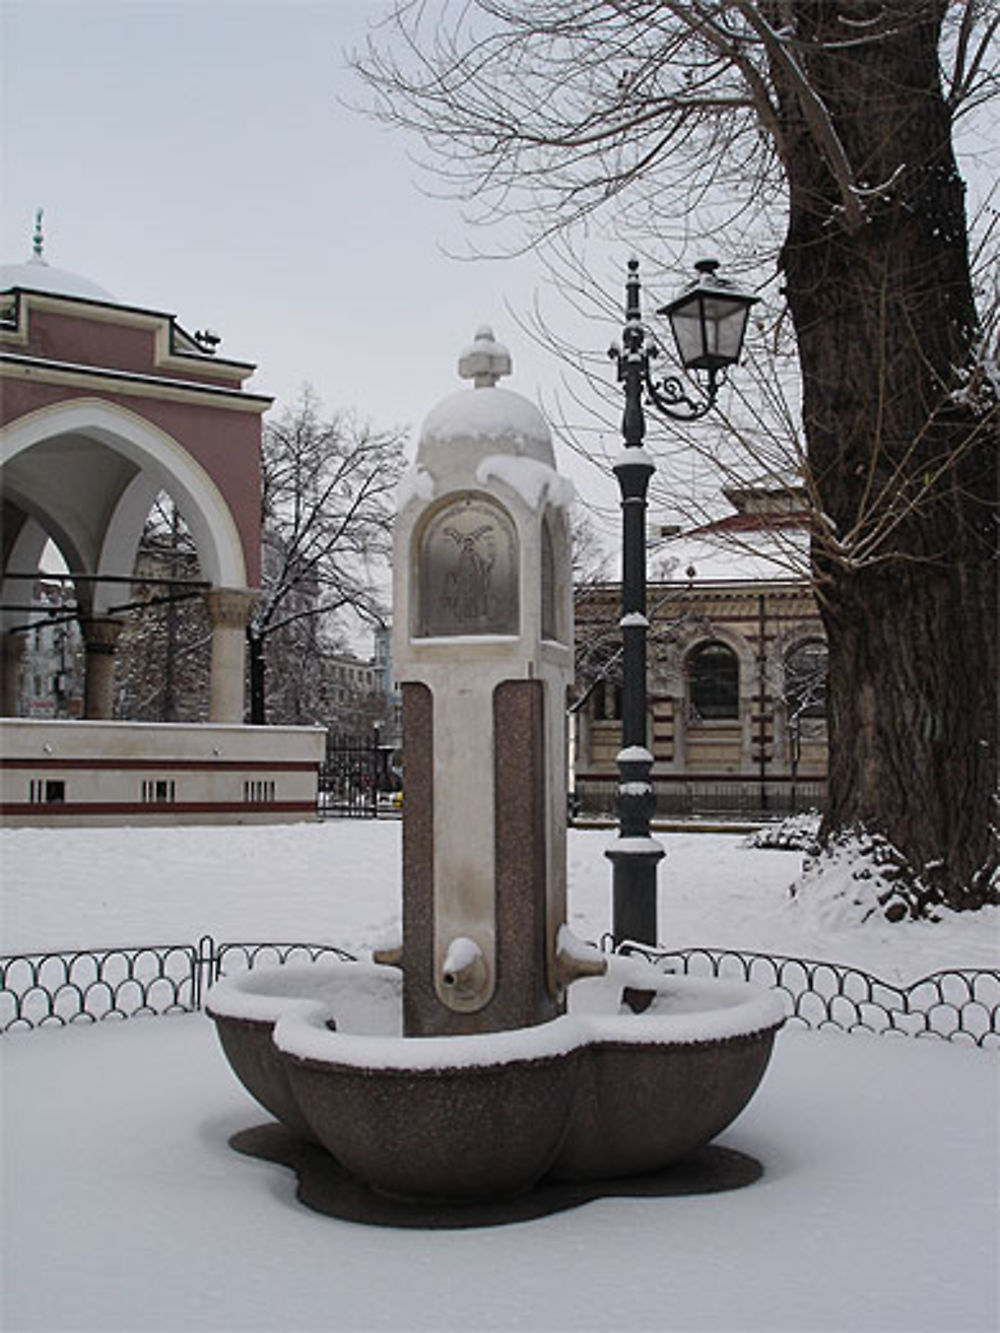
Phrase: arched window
[805,679]
[606,701]
[714,681]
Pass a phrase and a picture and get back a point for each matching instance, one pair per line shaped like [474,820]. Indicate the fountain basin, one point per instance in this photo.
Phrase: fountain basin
[597,1093]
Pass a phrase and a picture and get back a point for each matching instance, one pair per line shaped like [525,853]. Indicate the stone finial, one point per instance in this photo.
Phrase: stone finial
[485,361]
[37,240]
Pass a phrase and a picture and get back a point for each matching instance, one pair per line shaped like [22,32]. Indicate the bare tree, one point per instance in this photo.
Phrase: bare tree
[326,512]
[817,136]
[163,655]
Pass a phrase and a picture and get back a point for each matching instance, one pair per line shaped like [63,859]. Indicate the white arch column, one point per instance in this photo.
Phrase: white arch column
[229,610]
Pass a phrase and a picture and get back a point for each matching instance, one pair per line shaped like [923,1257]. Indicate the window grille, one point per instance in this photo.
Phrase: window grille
[156,791]
[47,791]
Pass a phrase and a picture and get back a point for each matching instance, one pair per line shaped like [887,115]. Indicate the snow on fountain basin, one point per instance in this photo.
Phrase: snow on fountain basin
[596,1093]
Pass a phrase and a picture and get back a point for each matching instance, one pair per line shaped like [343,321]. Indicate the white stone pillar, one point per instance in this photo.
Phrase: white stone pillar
[229,610]
[100,637]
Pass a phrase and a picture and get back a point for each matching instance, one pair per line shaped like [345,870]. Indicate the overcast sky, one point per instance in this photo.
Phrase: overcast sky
[195,157]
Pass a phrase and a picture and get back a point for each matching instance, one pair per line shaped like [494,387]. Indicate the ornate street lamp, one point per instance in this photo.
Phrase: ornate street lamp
[709,322]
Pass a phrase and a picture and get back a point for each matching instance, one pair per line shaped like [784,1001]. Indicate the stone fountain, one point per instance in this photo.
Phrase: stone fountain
[491,1051]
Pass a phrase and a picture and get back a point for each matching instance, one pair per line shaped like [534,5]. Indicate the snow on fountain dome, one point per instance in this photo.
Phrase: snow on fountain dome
[498,420]
[500,434]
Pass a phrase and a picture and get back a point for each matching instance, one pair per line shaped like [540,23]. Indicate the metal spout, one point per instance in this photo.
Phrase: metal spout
[392,956]
[464,971]
[576,960]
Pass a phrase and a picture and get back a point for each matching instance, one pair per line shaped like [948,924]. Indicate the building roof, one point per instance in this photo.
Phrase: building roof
[38,276]
[767,538]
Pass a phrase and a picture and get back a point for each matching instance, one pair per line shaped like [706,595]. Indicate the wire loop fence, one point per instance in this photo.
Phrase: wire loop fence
[961,1004]
[61,987]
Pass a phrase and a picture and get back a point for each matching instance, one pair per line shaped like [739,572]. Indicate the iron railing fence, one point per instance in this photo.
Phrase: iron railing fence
[960,1004]
[357,779]
[730,796]
[61,987]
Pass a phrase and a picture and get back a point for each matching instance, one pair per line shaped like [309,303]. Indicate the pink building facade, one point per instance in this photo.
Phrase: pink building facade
[103,406]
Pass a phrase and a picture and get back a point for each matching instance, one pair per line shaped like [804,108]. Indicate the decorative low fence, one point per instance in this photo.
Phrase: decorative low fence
[59,988]
[959,1004]
[87,985]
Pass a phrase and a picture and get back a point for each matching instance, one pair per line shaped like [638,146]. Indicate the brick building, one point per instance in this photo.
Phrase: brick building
[736,668]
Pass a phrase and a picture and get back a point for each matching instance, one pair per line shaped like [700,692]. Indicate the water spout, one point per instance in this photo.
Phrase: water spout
[576,960]
[464,970]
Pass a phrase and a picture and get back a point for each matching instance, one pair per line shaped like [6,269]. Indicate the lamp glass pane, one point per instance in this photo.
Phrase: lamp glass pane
[725,322]
[687,327]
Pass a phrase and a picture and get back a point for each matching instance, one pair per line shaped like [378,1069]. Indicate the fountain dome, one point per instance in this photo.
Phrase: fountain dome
[489,421]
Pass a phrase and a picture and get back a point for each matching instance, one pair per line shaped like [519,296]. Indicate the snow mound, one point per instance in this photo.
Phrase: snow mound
[859,877]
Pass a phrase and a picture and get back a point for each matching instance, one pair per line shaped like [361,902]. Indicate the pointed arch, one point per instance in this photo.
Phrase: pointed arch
[155,453]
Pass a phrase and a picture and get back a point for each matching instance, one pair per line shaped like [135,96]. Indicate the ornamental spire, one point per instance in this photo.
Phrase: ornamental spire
[485,361]
[37,240]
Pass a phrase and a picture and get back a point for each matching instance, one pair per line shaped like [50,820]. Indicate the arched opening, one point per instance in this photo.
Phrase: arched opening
[86,474]
[164,653]
[77,464]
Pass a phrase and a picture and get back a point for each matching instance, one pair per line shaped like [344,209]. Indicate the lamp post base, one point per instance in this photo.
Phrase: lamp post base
[634,889]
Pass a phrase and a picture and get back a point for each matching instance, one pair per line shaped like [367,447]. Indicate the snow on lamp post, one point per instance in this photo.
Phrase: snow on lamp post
[709,321]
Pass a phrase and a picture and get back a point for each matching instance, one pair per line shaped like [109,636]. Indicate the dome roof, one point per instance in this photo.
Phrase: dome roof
[486,420]
[41,277]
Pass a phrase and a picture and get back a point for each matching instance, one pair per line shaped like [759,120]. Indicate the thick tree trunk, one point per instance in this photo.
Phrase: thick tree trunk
[905,466]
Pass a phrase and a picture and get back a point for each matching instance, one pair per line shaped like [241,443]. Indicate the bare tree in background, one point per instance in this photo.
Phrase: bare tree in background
[162,663]
[326,514]
[833,122]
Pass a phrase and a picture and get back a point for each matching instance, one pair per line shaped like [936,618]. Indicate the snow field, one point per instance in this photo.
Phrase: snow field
[125,1209]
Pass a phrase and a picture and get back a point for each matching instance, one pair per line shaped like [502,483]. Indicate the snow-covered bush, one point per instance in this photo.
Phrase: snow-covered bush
[860,875]
[797,833]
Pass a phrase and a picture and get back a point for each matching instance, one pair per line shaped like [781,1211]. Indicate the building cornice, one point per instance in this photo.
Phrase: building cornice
[14,330]
[74,375]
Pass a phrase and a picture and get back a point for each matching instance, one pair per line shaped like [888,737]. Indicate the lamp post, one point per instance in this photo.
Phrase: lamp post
[709,321]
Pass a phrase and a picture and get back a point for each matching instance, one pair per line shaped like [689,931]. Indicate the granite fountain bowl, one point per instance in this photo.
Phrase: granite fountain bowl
[597,1093]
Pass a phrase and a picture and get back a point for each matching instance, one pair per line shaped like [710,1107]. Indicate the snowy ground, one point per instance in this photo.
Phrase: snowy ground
[339,882]
[124,1208]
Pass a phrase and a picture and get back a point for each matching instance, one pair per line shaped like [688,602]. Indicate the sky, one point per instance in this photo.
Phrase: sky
[199,158]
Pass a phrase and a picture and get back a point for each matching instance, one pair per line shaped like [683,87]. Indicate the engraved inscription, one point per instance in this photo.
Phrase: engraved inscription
[467,571]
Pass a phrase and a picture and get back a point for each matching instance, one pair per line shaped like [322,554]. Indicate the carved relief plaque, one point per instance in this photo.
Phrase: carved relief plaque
[467,570]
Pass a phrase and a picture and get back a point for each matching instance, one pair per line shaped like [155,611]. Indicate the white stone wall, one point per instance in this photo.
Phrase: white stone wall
[77,773]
